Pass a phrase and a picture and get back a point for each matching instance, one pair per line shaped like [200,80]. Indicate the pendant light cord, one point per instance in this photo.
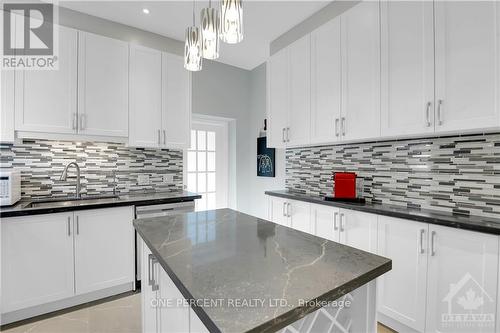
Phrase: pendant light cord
[193,13]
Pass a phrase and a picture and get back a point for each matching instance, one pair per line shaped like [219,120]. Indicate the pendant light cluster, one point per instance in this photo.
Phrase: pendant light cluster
[203,42]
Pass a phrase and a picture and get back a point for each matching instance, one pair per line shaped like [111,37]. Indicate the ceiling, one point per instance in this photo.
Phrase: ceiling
[264,21]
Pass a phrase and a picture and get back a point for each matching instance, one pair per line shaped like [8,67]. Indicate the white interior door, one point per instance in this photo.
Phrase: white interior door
[206,164]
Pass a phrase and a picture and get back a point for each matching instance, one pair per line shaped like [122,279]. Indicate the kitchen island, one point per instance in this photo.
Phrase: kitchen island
[225,271]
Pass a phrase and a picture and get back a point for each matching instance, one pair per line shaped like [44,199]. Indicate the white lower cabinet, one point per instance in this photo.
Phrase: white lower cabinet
[324,222]
[104,251]
[358,229]
[37,260]
[402,291]
[442,279]
[299,213]
[277,211]
[58,257]
[164,309]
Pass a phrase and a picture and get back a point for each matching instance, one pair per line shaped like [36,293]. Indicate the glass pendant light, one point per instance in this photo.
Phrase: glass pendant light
[210,32]
[231,21]
[192,48]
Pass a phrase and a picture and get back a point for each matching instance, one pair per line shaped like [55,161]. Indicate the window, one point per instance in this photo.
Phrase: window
[201,168]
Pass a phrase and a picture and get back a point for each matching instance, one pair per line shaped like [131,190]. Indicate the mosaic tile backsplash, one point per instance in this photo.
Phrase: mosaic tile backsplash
[105,167]
[452,174]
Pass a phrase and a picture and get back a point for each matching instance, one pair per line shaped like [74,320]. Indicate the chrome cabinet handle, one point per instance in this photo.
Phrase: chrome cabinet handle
[75,121]
[335,225]
[336,127]
[428,114]
[283,135]
[440,120]
[288,134]
[288,209]
[342,222]
[69,226]
[156,285]
[422,232]
[77,225]
[284,207]
[164,137]
[151,271]
[159,139]
[343,126]
[81,123]
[433,250]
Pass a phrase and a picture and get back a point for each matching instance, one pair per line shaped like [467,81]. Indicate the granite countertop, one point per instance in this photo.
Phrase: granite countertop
[224,254]
[474,223]
[24,207]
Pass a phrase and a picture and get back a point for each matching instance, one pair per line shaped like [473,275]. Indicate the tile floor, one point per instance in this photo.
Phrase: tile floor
[122,315]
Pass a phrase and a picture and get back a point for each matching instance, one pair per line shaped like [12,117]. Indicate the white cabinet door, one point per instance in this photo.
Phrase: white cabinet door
[407,67]
[104,248]
[149,291]
[299,118]
[361,72]
[37,260]
[467,65]
[46,100]
[359,230]
[102,85]
[7,105]
[278,103]
[326,74]
[402,291]
[145,97]
[463,272]
[175,317]
[299,213]
[324,220]
[176,105]
[277,211]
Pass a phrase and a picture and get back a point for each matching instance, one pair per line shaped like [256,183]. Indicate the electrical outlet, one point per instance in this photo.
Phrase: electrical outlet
[143,179]
[168,179]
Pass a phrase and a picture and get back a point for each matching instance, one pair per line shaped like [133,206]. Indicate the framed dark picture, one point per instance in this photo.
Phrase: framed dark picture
[265,159]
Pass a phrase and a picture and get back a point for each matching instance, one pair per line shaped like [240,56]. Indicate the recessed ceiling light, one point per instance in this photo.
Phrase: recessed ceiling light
[145,11]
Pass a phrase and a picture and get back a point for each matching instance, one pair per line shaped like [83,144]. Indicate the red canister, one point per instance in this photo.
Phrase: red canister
[345,185]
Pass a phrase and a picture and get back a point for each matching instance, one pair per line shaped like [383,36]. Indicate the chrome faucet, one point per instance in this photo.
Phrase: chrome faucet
[64,175]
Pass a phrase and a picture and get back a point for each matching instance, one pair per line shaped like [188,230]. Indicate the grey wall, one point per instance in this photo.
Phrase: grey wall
[311,23]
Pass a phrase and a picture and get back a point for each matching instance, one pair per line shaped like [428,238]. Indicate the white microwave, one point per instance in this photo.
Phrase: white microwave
[10,187]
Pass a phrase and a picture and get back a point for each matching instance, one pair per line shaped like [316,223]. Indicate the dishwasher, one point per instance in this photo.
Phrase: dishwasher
[156,211]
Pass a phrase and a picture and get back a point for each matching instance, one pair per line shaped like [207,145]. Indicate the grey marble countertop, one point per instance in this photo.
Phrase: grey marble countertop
[474,223]
[25,207]
[224,254]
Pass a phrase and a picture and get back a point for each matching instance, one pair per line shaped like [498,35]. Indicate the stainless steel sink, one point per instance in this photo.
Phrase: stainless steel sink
[67,201]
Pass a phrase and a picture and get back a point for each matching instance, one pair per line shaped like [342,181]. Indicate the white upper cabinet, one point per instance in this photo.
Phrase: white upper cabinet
[298,130]
[361,72]
[7,106]
[176,105]
[326,74]
[467,65]
[407,40]
[145,97]
[102,86]
[278,103]
[46,100]
[463,269]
